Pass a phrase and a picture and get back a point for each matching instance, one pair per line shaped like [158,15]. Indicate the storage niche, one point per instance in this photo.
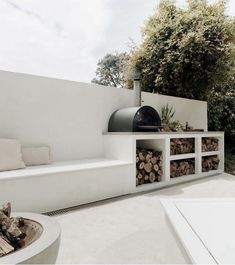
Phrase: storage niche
[210,144]
[210,163]
[182,146]
[182,167]
[149,165]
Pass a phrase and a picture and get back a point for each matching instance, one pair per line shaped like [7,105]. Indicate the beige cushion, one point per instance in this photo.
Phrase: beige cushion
[34,156]
[10,155]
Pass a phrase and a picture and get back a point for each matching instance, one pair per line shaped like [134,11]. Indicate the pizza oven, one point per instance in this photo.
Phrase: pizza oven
[136,119]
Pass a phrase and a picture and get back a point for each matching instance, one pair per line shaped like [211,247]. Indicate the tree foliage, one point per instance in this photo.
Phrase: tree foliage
[221,111]
[110,70]
[186,52]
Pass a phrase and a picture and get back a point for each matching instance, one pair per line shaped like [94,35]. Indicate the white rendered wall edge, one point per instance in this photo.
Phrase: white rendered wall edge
[204,227]
[192,244]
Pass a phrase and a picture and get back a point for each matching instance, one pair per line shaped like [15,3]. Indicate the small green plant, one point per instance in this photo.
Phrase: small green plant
[176,126]
[167,113]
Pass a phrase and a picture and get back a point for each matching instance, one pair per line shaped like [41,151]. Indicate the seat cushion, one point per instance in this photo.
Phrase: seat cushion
[10,155]
[35,156]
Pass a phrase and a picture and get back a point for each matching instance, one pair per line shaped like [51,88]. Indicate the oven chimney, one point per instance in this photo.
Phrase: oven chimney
[137,87]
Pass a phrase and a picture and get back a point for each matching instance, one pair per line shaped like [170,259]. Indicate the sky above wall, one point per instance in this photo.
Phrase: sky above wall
[66,38]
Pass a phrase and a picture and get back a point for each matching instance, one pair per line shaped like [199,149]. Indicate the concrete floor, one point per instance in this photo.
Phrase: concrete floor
[132,229]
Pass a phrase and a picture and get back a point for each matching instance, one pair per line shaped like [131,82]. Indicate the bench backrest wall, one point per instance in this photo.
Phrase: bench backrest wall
[68,116]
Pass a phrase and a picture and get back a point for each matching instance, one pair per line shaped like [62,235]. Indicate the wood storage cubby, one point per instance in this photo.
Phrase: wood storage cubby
[179,157]
[182,146]
[182,167]
[149,164]
[210,163]
[210,144]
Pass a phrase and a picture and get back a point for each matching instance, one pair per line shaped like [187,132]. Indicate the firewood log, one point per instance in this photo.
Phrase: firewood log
[152,177]
[148,167]
[182,146]
[137,159]
[156,167]
[146,177]
[182,168]
[148,158]
[139,176]
[141,157]
[5,247]
[12,232]
[6,209]
[210,144]
[154,160]
[140,165]
[210,163]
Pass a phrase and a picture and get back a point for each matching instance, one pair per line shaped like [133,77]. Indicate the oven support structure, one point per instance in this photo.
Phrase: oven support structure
[122,146]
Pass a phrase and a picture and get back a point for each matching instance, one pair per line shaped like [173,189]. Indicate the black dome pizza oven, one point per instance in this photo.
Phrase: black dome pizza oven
[136,119]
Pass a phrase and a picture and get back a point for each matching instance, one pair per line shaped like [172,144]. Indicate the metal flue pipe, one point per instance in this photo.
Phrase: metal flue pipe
[137,88]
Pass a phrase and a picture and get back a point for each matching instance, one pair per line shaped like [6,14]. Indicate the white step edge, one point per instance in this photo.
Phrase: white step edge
[192,244]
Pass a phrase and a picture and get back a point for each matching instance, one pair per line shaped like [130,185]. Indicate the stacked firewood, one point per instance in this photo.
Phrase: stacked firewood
[182,146]
[210,144]
[11,234]
[210,163]
[148,166]
[180,168]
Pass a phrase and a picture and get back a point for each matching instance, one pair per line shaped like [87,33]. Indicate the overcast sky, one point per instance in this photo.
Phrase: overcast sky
[66,38]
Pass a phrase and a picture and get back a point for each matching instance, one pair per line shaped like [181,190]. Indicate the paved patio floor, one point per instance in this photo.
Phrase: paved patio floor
[132,229]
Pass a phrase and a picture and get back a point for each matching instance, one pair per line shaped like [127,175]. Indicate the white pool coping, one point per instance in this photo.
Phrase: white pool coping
[205,227]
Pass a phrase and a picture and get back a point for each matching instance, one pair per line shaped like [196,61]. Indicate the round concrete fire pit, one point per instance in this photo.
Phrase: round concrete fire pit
[41,243]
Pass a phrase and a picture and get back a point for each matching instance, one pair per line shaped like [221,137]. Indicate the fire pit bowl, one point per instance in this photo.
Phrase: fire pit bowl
[41,243]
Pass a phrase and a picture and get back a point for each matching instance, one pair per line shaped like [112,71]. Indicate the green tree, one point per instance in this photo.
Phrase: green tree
[110,70]
[186,52]
[221,111]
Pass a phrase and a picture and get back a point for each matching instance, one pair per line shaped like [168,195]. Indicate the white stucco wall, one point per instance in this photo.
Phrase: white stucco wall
[192,111]
[69,116]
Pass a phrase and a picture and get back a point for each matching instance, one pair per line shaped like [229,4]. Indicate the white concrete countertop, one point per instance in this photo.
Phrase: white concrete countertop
[160,133]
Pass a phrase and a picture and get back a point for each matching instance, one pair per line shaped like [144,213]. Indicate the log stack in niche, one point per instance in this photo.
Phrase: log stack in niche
[182,167]
[210,144]
[11,234]
[210,163]
[148,166]
[182,146]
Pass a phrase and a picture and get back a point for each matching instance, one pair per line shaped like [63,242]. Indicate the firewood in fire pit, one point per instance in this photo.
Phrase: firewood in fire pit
[18,221]
[5,247]
[6,209]
[11,236]
[9,228]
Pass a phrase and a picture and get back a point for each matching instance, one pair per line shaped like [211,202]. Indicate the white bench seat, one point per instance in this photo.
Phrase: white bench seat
[65,184]
[62,167]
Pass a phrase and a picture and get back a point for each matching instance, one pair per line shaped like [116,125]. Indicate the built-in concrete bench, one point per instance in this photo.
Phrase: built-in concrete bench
[65,184]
